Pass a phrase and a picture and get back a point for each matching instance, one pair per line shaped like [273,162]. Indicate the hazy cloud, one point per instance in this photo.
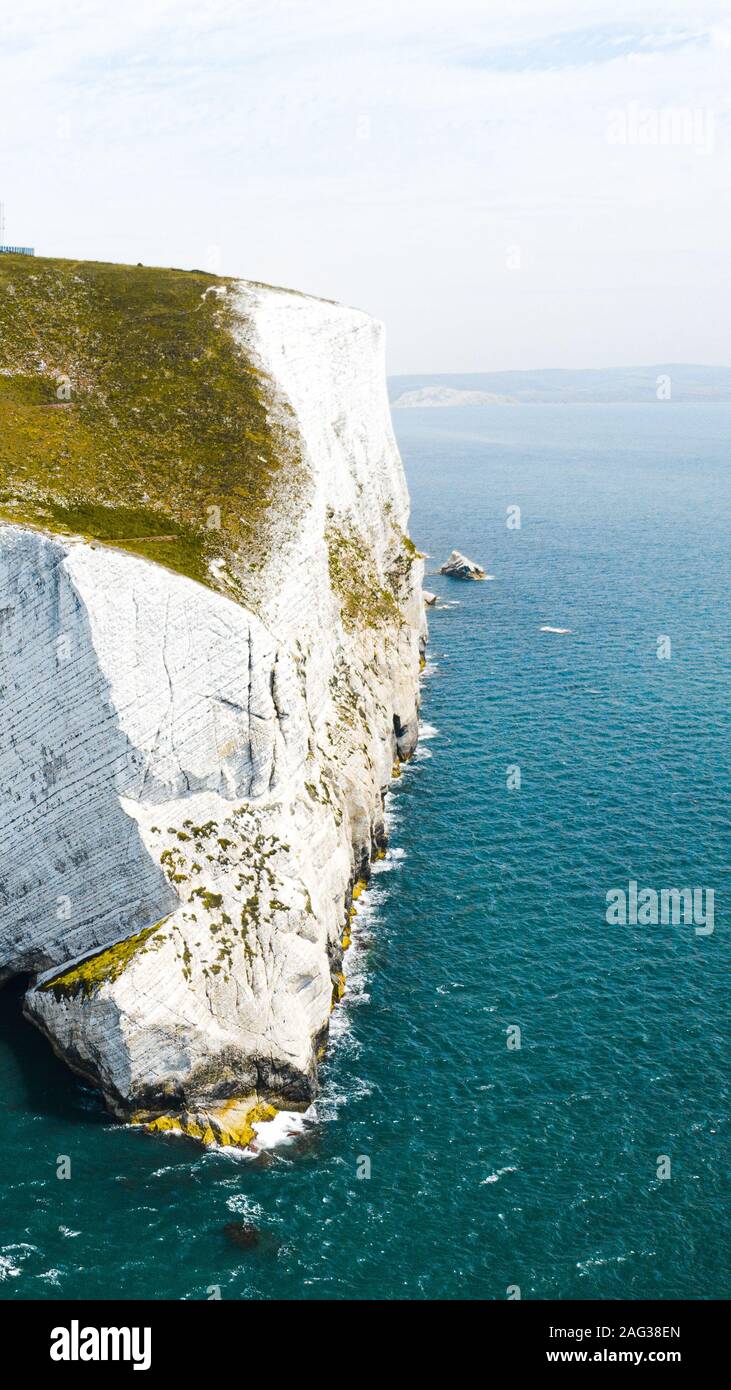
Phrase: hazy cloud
[543,184]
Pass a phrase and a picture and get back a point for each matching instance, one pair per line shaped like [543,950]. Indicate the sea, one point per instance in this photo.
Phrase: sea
[521,1097]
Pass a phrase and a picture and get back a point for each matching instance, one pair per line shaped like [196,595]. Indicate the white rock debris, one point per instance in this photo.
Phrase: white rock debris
[198,786]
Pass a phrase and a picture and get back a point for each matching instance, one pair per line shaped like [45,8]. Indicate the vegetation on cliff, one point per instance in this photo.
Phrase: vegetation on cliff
[131,414]
[100,969]
[365,599]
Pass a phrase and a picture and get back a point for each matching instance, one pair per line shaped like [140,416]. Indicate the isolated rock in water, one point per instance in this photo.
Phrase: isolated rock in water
[200,718]
[429,598]
[243,1236]
[459,567]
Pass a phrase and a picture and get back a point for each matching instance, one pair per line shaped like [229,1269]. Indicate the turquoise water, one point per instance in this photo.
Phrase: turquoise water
[490,1167]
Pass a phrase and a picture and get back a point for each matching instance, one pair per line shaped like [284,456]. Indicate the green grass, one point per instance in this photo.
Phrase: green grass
[100,969]
[354,579]
[173,445]
[366,600]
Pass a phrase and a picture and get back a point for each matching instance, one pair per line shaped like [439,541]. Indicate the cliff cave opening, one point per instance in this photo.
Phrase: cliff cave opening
[32,1077]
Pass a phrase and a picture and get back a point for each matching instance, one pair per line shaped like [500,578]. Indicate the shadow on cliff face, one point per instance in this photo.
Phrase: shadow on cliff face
[32,1078]
[74,871]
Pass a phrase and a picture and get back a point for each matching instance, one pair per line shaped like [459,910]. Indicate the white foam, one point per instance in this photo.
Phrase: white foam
[495,1177]
[562,630]
[285,1128]
[598,1262]
[11,1258]
[243,1205]
[394,857]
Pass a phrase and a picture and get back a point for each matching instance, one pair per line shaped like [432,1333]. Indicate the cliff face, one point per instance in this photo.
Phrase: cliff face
[193,772]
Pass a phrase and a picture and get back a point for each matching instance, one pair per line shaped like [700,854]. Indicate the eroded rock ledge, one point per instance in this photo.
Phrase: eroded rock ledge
[193,785]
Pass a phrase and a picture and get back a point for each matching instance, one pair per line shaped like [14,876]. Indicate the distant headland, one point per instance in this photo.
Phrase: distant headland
[679,382]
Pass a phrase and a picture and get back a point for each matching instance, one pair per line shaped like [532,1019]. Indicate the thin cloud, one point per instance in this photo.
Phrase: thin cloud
[391,156]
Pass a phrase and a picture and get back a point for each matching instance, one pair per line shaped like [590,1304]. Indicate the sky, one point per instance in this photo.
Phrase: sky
[506,183]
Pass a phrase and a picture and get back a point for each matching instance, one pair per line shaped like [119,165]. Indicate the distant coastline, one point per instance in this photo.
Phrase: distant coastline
[679,382]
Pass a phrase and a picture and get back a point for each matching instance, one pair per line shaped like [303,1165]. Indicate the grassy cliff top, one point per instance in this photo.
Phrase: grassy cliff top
[131,415]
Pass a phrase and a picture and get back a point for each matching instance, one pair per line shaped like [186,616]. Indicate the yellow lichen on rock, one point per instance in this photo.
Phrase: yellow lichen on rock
[101,968]
[338,988]
[161,1124]
[234,1122]
[359,887]
[231,1124]
[171,1124]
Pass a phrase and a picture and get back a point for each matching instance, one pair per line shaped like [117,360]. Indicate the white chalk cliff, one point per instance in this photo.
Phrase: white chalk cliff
[190,788]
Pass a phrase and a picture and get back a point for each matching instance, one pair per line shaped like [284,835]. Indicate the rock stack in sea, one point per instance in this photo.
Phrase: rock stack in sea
[459,567]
